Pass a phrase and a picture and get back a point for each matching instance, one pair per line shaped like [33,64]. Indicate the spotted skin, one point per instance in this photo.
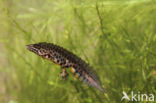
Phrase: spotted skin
[67,59]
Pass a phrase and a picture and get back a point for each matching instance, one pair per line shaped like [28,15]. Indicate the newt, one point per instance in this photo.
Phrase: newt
[67,59]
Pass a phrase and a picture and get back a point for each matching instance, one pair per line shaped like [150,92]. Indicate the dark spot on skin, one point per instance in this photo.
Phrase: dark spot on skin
[57,60]
[54,54]
[61,60]
[51,51]
[66,66]
[64,62]
[74,66]
[48,56]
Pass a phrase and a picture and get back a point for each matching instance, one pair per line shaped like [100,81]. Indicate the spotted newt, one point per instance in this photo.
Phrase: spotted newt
[67,59]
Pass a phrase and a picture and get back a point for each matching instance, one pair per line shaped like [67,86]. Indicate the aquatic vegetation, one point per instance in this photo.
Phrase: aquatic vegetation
[116,38]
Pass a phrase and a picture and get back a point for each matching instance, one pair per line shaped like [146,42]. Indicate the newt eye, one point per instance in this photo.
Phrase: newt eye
[36,46]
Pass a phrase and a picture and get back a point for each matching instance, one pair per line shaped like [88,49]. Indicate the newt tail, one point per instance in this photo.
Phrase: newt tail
[67,59]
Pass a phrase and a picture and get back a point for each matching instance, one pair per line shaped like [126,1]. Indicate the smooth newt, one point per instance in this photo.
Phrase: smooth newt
[67,59]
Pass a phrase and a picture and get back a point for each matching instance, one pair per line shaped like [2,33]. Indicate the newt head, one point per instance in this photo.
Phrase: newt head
[39,49]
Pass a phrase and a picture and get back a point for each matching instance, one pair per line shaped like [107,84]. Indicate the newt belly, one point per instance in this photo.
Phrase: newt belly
[67,59]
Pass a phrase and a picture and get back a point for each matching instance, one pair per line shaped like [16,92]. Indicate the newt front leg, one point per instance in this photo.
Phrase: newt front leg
[63,74]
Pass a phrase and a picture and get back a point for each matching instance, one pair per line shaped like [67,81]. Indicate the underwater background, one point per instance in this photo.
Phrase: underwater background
[116,37]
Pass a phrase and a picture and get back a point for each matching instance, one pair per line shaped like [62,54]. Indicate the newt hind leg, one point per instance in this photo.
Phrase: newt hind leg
[63,74]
